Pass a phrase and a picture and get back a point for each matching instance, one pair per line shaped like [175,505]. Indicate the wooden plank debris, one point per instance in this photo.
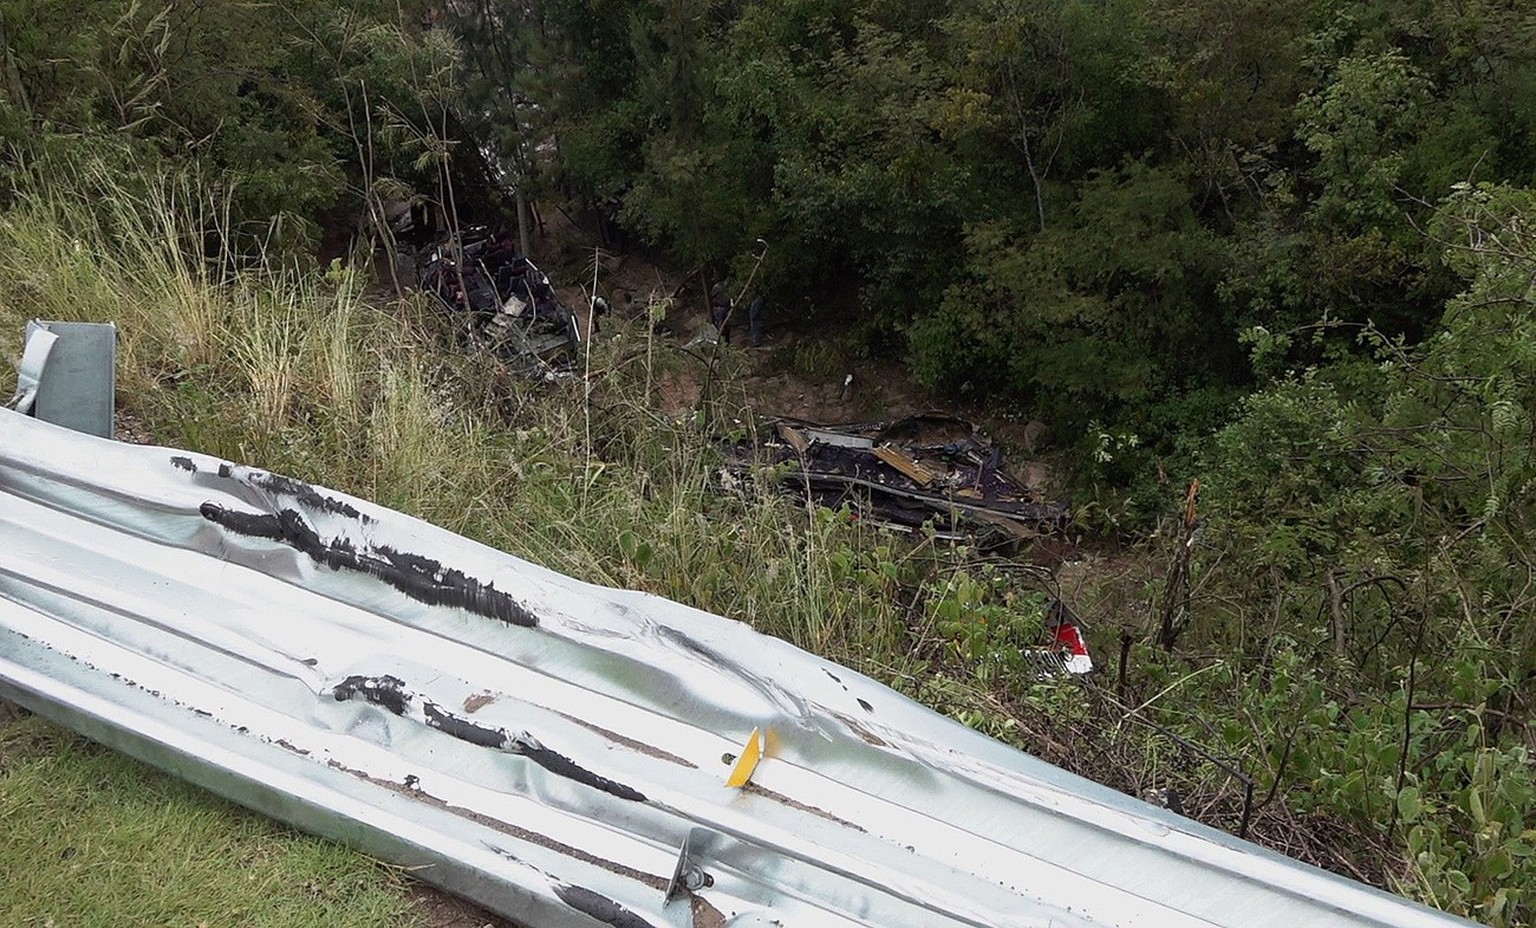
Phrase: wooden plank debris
[908,465]
[794,437]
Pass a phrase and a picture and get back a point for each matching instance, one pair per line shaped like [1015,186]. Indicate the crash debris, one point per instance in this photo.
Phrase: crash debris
[305,653]
[505,302]
[932,469]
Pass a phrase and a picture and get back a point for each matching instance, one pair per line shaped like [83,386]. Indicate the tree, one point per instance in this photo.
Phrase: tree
[1106,314]
[1040,81]
[1381,510]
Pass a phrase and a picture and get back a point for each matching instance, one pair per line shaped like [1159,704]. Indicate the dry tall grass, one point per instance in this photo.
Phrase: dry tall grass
[309,373]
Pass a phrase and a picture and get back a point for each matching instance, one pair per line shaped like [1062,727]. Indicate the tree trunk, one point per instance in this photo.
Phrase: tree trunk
[522,220]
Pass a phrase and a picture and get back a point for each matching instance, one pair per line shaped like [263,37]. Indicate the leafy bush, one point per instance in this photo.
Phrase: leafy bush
[1375,515]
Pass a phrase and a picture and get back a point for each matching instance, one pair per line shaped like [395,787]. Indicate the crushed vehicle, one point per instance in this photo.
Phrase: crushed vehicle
[506,302]
[930,468]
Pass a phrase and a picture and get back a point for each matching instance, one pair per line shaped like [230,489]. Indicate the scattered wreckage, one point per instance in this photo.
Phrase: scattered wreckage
[564,754]
[932,469]
[1067,651]
[508,304]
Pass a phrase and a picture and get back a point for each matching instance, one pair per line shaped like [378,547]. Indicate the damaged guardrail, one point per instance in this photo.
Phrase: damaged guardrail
[564,754]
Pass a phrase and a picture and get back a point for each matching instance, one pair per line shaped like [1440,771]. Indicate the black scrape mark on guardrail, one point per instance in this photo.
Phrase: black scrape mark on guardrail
[307,495]
[244,523]
[599,907]
[462,729]
[391,693]
[524,746]
[563,766]
[386,691]
[285,486]
[421,578]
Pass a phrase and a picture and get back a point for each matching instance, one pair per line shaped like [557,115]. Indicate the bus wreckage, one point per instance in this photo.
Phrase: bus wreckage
[563,754]
[931,471]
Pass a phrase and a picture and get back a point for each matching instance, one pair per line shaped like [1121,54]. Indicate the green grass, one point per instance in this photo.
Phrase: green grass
[305,374]
[93,838]
[302,373]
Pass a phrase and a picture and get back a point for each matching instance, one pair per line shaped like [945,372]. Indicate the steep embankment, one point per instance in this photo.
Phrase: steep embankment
[303,374]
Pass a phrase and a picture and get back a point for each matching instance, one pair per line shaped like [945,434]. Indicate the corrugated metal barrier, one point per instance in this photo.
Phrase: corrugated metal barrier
[555,751]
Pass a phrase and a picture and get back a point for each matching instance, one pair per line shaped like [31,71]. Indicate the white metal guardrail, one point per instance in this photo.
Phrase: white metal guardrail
[555,751]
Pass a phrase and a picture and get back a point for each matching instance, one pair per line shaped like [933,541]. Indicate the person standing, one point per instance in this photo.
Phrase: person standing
[755,313]
[720,310]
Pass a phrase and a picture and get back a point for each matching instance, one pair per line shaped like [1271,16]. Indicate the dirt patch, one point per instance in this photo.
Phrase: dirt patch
[649,879]
[865,735]
[677,392]
[571,256]
[434,908]
[1103,582]
[127,427]
[706,915]
[782,799]
[631,743]
[10,712]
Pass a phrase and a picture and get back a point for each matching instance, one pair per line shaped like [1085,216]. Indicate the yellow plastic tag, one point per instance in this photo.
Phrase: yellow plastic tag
[747,762]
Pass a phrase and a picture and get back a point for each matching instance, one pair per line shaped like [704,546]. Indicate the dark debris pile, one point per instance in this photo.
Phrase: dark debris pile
[507,303]
[927,468]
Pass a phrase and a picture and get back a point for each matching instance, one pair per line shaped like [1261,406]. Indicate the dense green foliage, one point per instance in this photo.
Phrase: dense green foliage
[1375,519]
[1074,205]
[305,112]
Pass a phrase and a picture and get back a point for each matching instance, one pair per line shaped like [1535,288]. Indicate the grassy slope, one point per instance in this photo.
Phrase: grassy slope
[92,838]
[300,374]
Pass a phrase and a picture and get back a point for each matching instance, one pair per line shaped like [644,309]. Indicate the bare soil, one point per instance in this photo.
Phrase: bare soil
[437,909]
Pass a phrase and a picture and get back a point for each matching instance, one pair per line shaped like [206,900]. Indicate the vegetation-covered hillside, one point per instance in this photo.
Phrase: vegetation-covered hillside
[1286,248]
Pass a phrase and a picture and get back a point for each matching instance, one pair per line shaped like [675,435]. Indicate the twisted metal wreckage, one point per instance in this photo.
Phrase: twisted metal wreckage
[561,753]
[931,470]
[506,303]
